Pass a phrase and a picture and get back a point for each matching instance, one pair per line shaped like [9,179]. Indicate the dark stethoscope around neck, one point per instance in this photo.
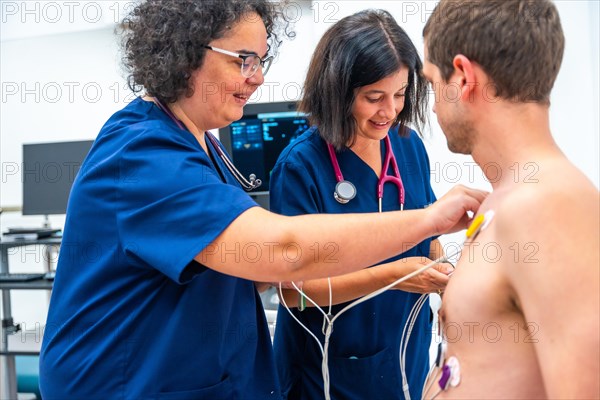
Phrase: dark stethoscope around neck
[248,184]
[346,191]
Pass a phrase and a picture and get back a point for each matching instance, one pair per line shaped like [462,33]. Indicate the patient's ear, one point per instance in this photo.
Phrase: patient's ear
[465,75]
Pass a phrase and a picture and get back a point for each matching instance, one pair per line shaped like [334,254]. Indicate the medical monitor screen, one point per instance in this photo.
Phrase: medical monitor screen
[49,170]
[255,141]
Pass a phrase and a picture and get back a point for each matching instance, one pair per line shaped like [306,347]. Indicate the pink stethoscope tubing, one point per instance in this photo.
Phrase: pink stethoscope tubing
[384,177]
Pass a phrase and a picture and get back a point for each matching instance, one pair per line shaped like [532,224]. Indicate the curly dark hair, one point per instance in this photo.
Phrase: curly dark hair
[162,39]
[357,51]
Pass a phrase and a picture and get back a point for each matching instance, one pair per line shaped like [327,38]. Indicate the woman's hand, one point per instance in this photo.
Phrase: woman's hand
[454,211]
[433,280]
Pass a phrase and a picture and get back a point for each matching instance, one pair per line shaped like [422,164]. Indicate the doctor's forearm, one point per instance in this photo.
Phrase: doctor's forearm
[344,288]
[277,248]
[268,247]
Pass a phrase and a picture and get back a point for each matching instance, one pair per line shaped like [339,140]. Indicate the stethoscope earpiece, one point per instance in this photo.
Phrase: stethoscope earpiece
[344,192]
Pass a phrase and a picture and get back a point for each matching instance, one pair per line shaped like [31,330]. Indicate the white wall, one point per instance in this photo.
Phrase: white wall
[61,80]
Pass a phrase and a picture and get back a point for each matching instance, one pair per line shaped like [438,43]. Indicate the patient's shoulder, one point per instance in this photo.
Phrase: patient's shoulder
[557,195]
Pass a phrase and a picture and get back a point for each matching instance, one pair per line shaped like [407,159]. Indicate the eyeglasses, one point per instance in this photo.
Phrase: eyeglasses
[250,62]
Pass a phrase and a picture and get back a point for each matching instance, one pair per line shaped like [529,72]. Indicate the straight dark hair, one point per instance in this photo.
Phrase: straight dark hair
[357,51]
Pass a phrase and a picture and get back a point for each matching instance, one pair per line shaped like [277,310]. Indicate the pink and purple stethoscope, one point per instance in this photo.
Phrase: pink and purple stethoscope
[346,191]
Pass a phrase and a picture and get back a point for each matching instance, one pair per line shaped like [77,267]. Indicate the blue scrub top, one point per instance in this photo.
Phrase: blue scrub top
[364,346]
[132,316]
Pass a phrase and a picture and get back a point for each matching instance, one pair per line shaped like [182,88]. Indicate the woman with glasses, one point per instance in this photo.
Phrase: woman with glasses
[154,295]
[363,89]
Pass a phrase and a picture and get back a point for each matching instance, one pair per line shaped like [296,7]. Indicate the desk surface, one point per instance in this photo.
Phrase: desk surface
[42,283]
[8,241]
[25,343]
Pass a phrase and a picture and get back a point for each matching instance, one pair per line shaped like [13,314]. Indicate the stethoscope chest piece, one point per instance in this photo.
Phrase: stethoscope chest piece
[344,191]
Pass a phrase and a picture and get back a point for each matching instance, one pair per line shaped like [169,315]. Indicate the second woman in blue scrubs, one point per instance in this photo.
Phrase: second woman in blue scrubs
[364,85]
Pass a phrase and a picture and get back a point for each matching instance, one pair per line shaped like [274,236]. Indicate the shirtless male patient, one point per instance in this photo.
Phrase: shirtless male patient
[525,325]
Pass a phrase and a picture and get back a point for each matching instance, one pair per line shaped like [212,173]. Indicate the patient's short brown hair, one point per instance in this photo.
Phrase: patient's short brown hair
[519,43]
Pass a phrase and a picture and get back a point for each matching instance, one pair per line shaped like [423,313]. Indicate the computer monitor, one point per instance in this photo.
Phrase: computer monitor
[49,170]
[256,140]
